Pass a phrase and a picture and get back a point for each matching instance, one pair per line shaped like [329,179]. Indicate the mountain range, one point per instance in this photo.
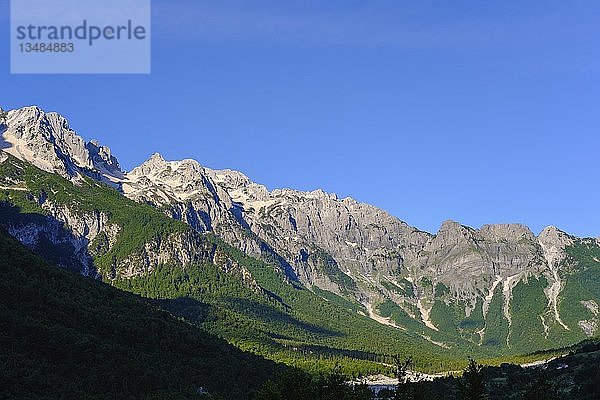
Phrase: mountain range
[287,271]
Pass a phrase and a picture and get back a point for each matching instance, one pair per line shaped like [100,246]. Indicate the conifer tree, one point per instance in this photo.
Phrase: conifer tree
[472,385]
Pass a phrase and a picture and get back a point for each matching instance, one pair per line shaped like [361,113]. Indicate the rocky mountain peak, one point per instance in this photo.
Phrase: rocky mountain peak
[157,156]
[189,166]
[452,232]
[103,159]
[321,194]
[554,234]
[161,182]
[239,186]
[169,171]
[47,141]
[507,233]
[230,179]
[451,226]
[154,163]
[553,240]
[28,114]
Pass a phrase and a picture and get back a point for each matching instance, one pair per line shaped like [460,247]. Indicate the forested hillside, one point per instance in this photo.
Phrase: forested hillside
[245,301]
[70,337]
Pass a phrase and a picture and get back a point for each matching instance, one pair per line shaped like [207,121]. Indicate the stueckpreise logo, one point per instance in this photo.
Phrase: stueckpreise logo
[80,36]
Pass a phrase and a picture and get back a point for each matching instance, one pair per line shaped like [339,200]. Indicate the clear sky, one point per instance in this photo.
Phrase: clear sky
[478,111]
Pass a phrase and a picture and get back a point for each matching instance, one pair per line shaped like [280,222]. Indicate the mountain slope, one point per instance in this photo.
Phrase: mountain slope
[495,290]
[246,301]
[70,337]
[468,282]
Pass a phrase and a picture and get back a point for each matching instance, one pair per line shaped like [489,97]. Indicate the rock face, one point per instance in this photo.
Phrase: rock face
[357,250]
[466,259]
[61,223]
[45,140]
[322,237]
[185,191]
[62,233]
[353,249]
[184,185]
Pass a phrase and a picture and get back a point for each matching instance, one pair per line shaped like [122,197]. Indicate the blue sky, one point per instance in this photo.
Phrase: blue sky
[481,112]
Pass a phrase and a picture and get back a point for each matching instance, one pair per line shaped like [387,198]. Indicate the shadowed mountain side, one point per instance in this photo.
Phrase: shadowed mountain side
[46,235]
[3,143]
[270,314]
[197,311]
[70,337]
